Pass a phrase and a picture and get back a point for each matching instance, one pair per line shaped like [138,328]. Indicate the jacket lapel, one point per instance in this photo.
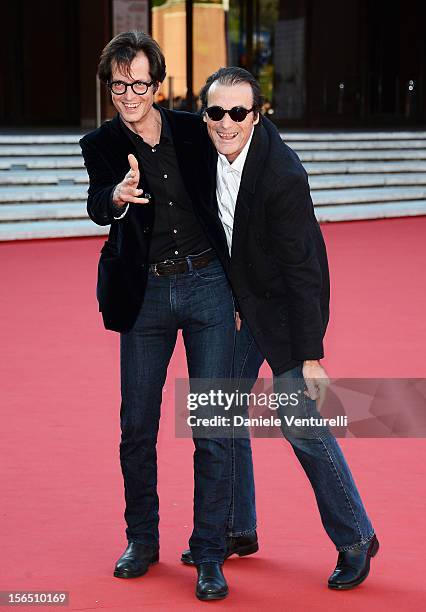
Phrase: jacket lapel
[186,141]
[252,170]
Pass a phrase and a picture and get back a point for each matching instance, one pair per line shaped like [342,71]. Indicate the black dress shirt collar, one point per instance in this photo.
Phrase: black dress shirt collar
[166,132]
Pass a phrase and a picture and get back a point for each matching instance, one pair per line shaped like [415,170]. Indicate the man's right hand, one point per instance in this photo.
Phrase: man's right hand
[127,191]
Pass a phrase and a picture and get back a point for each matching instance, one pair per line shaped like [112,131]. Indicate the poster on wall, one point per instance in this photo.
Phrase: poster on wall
[130,15]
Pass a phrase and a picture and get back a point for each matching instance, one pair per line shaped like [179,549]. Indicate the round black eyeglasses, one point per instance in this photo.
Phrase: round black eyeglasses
[237,113]
[138,87]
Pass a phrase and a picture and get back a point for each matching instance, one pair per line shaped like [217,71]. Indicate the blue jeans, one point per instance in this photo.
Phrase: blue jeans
[342,512]
[200,303]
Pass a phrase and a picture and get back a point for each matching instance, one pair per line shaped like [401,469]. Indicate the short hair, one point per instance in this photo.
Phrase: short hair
[233,75]
[122,50]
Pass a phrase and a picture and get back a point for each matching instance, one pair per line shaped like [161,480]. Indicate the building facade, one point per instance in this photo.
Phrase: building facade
[321,63]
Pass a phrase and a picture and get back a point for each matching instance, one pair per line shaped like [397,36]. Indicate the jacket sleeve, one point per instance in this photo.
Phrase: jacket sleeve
[294,232]
[102,182]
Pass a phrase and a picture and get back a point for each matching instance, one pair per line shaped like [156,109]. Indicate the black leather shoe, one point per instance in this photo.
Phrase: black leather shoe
[353,567]
[241,546]
[135,560]
[211,583]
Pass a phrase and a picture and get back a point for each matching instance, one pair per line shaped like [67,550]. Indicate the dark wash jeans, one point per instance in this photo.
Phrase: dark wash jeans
[342,512]
[200,303]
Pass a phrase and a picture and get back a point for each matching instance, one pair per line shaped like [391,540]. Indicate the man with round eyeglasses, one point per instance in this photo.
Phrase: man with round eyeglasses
[274,253]
[158,274]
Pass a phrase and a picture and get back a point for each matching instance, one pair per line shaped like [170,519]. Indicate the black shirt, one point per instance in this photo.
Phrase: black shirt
[177,231]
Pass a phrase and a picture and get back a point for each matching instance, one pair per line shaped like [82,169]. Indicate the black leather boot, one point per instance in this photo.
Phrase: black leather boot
[211,583]
[135,560]
[241,546]
[353,567]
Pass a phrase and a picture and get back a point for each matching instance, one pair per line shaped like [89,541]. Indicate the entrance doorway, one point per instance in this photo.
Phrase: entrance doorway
[39,74]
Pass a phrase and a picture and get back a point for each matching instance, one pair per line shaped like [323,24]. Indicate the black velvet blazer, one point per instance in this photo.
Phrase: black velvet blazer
[278,267]
[123,265]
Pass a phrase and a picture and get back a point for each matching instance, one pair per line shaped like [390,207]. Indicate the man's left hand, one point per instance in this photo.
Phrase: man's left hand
[316,380]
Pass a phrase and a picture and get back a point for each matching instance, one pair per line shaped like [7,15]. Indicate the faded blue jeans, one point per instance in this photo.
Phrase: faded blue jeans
[200,303]
[340,506]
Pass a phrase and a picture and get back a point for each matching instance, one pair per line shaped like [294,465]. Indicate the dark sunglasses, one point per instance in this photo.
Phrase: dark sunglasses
[237,113]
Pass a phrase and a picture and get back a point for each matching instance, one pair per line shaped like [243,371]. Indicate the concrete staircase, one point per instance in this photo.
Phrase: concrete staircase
[364,175]
[353,175]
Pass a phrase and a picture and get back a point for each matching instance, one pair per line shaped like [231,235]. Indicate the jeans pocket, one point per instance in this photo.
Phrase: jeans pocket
[212,272]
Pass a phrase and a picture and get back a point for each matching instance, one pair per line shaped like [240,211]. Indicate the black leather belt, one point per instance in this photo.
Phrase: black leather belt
[179,266]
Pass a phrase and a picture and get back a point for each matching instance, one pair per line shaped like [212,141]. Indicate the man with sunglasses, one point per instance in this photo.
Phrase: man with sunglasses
[157,275]
[275,257]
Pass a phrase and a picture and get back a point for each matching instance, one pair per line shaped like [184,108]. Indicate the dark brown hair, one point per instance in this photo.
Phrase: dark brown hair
[122,50]
[233,75]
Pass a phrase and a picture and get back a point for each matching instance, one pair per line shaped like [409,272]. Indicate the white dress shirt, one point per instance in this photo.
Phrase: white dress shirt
[228,180]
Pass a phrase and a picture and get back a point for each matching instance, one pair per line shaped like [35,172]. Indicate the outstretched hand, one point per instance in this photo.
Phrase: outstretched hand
[127,191]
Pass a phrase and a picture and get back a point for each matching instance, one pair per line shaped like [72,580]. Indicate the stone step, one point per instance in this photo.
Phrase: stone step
[358,212]
[42,177]
[26,164]
[48,149]
[40,163]
[358,156]
[54,193]
[327,136]
[338,135]
[77,210]
[339,181]
[70,201]
[40,139]
[72,147]
[51,229]
[361,196]
[356,145]
[364,167]
[328,193]
[33,212]
[309,150]
[318,180]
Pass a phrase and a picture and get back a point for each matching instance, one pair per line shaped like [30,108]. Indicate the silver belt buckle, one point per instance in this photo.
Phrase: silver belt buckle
[166,261]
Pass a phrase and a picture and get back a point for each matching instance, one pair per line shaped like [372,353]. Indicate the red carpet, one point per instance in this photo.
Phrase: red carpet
[61,489]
